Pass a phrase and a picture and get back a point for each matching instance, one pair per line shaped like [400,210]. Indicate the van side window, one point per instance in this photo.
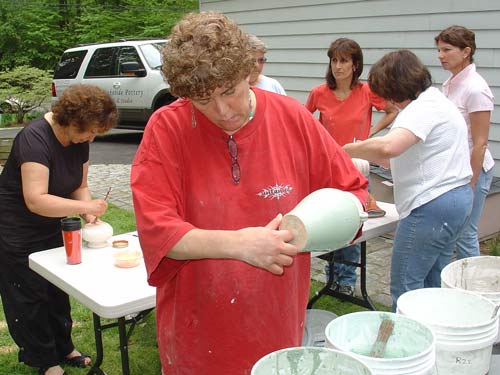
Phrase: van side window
[103,63]
[69,65]
[129,54]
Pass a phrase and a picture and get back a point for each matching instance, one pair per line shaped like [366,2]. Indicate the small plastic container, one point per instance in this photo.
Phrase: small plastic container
[127,258]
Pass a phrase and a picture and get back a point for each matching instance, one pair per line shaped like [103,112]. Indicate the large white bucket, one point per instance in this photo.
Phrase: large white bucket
[463,324]
[410,349]
[309,361]
[480,275]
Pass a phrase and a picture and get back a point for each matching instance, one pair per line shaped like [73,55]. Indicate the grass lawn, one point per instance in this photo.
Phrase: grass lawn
[143,353]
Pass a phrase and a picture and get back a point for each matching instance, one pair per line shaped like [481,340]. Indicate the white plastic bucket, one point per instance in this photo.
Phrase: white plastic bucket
[310,361]
[480,275]
[462,323]
[410,349]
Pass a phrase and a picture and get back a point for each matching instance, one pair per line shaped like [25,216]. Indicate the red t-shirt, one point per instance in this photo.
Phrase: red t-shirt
[346,119]
[217,316]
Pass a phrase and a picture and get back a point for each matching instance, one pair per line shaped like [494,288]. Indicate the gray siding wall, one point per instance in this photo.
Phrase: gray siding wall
[299,32]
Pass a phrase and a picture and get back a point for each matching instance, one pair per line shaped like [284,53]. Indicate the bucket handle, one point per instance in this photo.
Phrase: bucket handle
[495,311]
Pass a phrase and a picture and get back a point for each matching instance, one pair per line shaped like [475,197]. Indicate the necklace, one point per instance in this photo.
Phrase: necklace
[251,111]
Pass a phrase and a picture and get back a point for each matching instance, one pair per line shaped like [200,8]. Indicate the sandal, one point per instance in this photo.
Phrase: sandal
[372,209]
[77,361]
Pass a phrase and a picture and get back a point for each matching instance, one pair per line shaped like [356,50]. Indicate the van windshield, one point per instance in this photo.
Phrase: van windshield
[152,54]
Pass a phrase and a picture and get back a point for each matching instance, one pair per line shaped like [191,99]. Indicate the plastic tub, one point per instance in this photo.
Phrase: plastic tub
[480,275]
[127,258]
[410,348]
[310,361]
[462,323]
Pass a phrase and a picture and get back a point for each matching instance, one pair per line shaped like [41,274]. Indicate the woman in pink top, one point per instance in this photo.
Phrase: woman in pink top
[345,110]
[471,94]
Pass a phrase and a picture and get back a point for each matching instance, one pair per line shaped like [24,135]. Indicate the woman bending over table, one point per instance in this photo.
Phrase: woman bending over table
[428,152]
[44,180]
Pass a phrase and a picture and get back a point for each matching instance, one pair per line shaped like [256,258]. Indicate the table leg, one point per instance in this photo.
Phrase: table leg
[123,335]
[327,290]
[368,302]
[96,364]
[123,346]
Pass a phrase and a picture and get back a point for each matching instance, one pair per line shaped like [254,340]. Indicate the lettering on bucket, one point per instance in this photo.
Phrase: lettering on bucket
[463,361]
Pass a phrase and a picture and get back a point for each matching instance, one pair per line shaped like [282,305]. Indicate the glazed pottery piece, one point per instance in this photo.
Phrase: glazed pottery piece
[97,235]
[325,220]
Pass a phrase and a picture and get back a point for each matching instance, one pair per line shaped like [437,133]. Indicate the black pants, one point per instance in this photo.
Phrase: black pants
[38,314]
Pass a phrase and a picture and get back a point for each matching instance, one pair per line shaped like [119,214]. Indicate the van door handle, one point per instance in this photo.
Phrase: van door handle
[116,85]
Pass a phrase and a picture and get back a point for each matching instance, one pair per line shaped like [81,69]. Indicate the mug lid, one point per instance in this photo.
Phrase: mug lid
[71,223]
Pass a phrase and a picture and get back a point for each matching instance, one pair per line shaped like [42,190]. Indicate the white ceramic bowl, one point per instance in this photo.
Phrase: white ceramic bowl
[97,235]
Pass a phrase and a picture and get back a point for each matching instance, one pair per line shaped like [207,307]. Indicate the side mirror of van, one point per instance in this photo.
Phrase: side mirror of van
[132,68]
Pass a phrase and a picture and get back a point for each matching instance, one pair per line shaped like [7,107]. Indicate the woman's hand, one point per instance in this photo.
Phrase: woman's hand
[264,247]
[267,247]
[88,218]
[96,208]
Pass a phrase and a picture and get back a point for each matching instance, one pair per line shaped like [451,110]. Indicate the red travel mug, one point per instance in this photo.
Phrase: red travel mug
[72,237]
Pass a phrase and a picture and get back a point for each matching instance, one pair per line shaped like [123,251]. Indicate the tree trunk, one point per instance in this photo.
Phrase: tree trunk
[20,116]
[64,13]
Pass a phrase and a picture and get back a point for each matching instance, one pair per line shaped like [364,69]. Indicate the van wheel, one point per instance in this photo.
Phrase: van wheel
[164,100]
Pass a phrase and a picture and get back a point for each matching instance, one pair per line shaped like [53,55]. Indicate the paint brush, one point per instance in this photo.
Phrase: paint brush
[384,332]
[107,194]
[105,199]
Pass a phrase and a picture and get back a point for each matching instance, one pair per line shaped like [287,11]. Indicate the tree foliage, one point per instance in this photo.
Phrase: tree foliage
[24,88]
[36,32]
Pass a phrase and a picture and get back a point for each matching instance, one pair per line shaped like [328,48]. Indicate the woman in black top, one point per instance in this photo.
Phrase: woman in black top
[43,180]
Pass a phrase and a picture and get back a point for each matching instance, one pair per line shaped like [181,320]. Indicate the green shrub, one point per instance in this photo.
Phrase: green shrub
[493,245]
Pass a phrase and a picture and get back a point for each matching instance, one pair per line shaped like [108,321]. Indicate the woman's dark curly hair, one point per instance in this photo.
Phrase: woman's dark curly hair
[206,51]
[86,107]
[346,48]
[399,76]
[460,37]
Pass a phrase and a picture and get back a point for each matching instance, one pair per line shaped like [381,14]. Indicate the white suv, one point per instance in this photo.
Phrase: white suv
[129,70]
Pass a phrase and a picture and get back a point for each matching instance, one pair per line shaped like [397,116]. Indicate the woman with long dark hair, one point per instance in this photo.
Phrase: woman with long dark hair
[345,108]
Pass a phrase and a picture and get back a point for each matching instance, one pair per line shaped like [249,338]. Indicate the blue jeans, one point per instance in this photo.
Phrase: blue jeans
[468,243]
[425,240]
[344,274]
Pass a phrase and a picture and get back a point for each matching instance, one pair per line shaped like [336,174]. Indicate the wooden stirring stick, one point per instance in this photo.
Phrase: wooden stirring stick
[384,332]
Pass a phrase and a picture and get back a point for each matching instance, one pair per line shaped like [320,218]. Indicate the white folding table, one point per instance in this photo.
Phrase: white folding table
[372,228]
[108,291]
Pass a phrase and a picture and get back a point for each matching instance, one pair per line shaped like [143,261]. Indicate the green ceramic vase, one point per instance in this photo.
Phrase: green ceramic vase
[325,220]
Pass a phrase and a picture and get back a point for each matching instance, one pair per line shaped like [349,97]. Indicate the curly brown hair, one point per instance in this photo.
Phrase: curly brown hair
[206,51]
[458,36]
[344,47]
[399,76]
[86,107]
